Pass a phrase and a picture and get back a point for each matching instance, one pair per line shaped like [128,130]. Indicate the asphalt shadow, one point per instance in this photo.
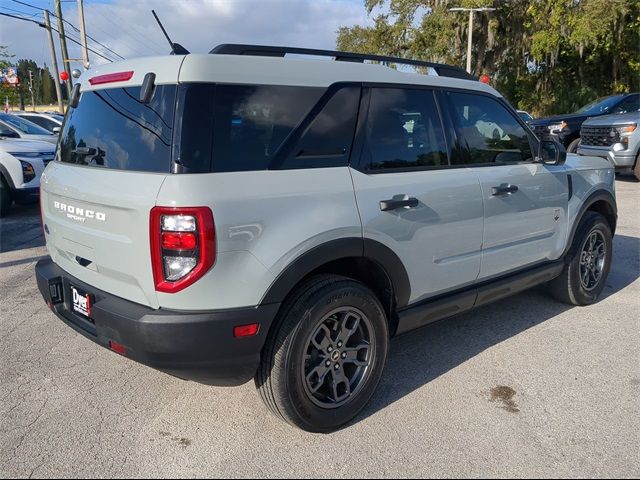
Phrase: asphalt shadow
[21,229]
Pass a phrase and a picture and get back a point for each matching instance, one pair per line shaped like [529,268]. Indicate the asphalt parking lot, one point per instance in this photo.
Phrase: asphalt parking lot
[526,387]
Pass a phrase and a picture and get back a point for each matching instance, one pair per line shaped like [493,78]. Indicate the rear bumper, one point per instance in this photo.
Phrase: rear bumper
[197,346]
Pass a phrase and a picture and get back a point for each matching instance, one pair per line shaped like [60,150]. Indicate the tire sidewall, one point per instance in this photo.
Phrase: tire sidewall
[6,199]
[317,418]
[582,295]
[573,146]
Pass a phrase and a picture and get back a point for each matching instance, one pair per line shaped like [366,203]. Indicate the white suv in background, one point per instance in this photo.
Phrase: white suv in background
[21,165]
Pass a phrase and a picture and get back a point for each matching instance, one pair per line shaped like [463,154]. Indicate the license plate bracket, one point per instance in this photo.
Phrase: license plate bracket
[81,302]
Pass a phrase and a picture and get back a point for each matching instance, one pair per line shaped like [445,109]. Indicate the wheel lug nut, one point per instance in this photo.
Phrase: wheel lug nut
[330,349]
[344,354]
[337,366]
[339,344]
[328,363]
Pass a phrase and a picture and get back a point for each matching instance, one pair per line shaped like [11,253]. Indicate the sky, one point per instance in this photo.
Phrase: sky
[128,28]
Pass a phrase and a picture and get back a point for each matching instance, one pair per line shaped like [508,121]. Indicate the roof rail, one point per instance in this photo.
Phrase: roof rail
[441,69]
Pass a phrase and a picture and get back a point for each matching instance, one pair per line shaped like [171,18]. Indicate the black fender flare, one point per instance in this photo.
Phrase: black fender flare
[597,196]
[350,247]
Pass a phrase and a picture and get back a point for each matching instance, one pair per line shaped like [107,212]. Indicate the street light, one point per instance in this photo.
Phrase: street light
[470,36]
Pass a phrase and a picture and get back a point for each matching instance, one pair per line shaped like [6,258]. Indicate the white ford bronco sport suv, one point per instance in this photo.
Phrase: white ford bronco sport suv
[244,215]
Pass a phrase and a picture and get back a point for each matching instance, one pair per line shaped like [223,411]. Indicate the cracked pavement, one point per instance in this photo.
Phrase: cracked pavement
[526,387]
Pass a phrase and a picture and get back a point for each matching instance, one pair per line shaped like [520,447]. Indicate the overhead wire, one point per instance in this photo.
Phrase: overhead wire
[74,27]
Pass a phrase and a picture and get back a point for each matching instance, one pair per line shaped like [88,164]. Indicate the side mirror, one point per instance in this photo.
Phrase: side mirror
[552,152]
[57,130]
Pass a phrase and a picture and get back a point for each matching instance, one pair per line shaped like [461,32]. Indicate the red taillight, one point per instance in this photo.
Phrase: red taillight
[179,241]
[183,246]
[116,347]
[111,78]
[246,330]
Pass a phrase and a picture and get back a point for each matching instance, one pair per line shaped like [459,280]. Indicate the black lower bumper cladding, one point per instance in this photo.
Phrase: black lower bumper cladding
[198,345]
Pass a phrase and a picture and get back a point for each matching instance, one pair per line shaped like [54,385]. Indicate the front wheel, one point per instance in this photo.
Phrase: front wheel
[584,277]
[6,198]
[323,362]
[636,168]
[573,146]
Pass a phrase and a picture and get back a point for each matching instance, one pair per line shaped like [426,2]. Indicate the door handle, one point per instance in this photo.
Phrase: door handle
[398,201]
[504,189]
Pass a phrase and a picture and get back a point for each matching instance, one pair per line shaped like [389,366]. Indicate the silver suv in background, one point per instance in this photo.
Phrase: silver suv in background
[245,215]
[614,137]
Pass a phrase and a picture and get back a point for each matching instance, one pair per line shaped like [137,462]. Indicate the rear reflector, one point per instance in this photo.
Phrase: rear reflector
[111,78]
[116,347]
[179,240]
[246,330]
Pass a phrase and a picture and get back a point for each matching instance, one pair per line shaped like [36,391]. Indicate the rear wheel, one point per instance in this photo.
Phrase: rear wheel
[584,277]
[573,146]
[6,199]
[325,358]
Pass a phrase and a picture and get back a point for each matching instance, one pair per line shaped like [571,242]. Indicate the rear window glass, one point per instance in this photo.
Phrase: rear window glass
[230,128]
[112,129]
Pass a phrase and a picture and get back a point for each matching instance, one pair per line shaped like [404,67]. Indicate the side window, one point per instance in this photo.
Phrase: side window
[327,140]
[489,131]
[403,130]
[233,128]
[629,104]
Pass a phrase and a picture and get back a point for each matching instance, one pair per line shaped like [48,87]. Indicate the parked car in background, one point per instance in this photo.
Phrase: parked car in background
[614,137]
[13,126]
[566,128]
[21,165]
[526,116]
[52,123]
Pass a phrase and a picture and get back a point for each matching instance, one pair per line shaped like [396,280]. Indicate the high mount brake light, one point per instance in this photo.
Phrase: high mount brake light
[183,246]
[111,78]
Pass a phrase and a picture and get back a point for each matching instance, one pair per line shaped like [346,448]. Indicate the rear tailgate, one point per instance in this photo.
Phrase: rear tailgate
[98,227]
[113,156]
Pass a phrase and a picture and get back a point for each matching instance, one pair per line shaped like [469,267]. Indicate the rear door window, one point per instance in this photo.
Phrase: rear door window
[403,131]
[112,129]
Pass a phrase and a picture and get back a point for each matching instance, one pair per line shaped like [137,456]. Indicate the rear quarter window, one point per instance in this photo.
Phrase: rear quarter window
[111,128]
[231,128]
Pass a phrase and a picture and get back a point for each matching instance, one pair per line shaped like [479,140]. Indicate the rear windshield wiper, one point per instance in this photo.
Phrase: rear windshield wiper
[85,151]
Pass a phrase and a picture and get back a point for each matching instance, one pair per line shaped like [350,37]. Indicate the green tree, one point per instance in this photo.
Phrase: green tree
[547,56]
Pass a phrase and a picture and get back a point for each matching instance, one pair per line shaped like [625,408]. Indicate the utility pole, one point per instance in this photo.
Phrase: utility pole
[54,61]
[33,101]
[470,35]
[83,36]
[63,48]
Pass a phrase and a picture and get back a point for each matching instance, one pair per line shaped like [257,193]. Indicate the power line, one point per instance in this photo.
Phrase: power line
[72,26]
[20,18]
[131,30]
[21,13]
[55,30]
